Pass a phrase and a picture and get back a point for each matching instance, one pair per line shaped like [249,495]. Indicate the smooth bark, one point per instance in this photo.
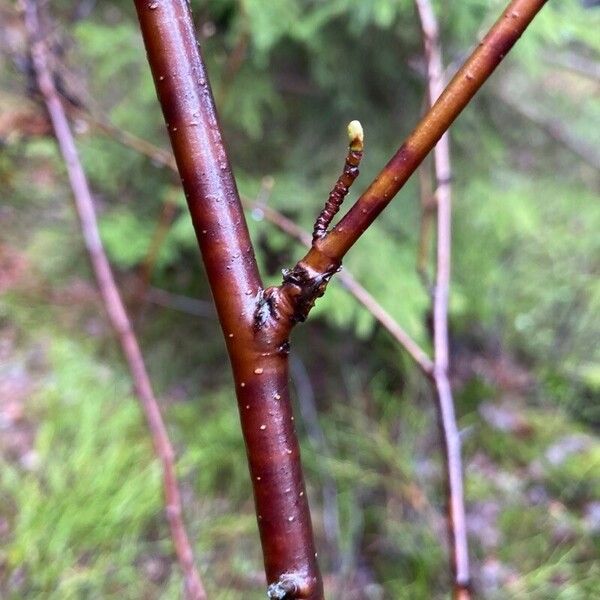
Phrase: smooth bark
[257,340]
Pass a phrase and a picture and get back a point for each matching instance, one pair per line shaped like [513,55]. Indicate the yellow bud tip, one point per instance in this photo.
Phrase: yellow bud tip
[356,135]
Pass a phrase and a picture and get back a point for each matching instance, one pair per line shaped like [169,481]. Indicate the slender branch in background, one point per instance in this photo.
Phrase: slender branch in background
[316,437]
[158,155]
[184,304]
[114,305]
[165,219]
[457,531]
[235,61]
[576,63]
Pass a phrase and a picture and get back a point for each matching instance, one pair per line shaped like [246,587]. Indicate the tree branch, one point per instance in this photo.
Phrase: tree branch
[255,333]
[114,305]
[326,255]
[456,519]
[556,129]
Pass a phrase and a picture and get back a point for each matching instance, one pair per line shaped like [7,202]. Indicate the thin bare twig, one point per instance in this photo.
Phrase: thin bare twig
[345,180]
[576,63]
[184,304]
[114,305]
[161,230]
[158,155]
[448,427]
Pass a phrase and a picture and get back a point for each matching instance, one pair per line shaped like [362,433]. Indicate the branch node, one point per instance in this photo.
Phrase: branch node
[345,180]
[303,286]
[289,586]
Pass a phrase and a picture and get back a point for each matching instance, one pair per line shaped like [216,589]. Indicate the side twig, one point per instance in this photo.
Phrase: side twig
[448,427]
[345,180]
[114,305]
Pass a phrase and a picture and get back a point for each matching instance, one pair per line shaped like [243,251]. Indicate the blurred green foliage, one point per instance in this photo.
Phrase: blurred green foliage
[287,76]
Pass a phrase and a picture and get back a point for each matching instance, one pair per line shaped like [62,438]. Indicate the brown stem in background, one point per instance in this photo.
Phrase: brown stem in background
[456,520]
[160,156]
[307,405]
[235,61]
[114,305]
[165,219]
[185,304]
[555,128]
[255,330]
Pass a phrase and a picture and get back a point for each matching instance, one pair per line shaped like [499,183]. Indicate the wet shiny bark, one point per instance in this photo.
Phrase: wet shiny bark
[256,322]
[256,341]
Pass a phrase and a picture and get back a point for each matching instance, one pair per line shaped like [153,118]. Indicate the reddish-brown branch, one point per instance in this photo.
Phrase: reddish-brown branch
[457,531]
[256,331]
[114,305]
[165,220]
[327,253]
